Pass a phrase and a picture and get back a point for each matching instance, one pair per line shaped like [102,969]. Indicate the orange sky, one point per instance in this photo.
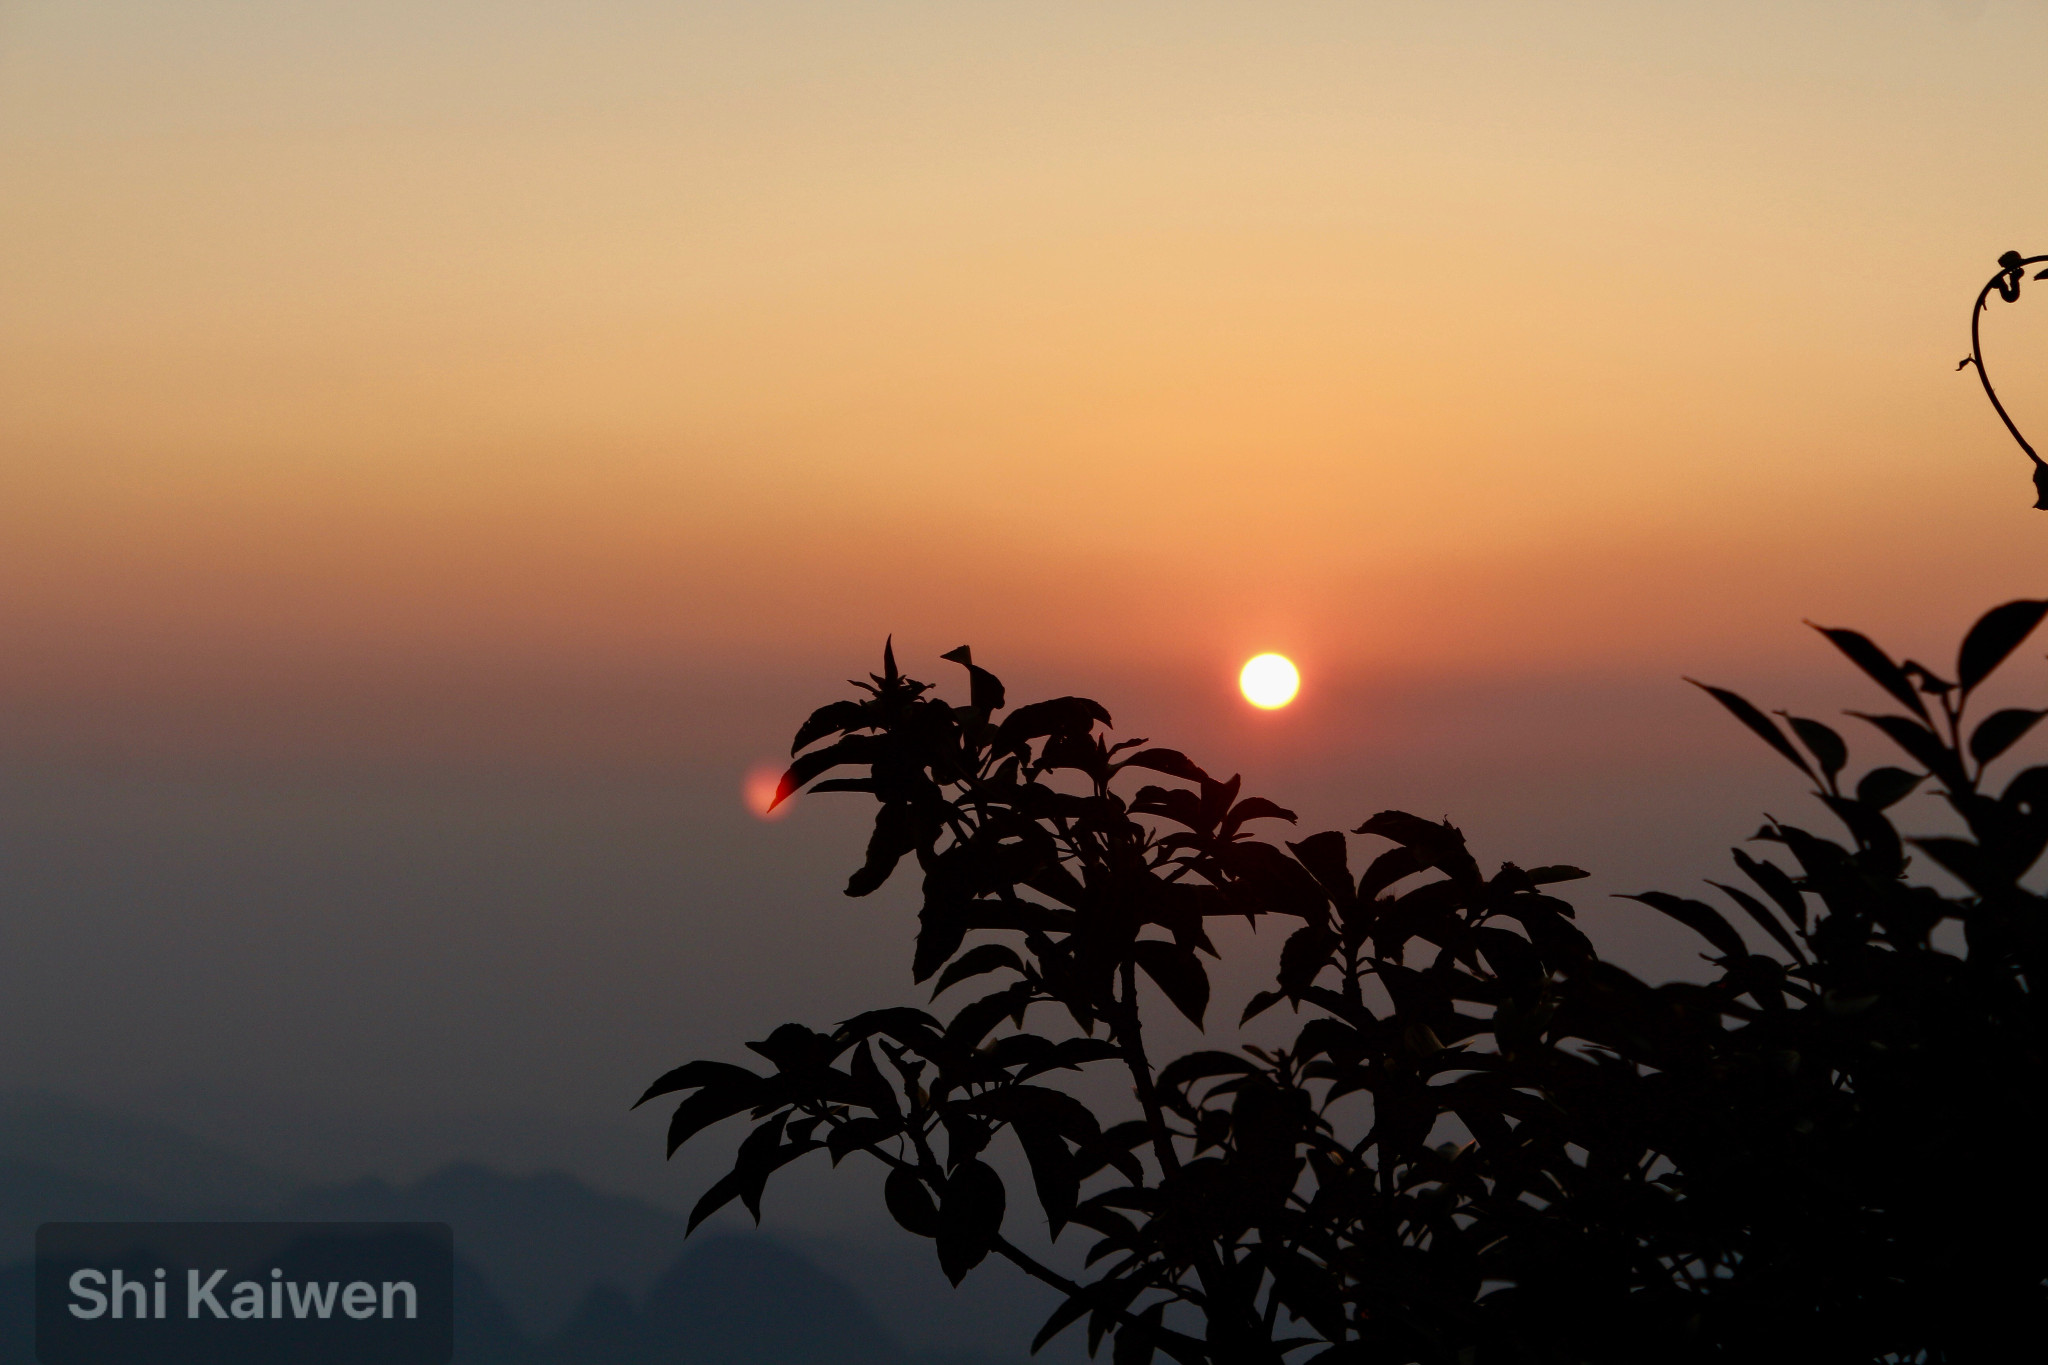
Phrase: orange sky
[444,446]
[394,343]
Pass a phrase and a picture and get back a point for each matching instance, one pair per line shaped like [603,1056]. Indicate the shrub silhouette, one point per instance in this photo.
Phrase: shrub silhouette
[1483,1142]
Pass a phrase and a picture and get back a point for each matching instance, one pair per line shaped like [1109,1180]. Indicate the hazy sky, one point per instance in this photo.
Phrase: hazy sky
[441,446]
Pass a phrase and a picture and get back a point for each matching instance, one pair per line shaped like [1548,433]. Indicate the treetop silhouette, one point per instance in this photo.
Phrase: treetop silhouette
[1483,1142]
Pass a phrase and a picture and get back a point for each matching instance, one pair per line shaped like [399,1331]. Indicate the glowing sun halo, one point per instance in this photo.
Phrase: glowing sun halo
[1269,681]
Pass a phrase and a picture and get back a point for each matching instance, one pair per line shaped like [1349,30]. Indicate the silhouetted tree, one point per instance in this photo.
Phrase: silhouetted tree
[1851,1128]
[1483,1142]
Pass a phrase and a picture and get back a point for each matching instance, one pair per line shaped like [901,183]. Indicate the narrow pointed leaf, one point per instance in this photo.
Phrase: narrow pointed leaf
[1878,665]
[1170,761]
[829,719]
[1776,883]
[1757,721]
[1920,743]
[714,1199]
[709,1106]
[1767,921]
[1063,1317]
[988,957]
[1698,916]
[691,1075]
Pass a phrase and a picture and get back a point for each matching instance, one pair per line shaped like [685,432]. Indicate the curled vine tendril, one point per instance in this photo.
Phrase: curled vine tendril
[2012,269]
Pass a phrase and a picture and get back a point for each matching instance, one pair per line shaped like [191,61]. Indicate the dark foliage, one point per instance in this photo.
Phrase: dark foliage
[1483,1142]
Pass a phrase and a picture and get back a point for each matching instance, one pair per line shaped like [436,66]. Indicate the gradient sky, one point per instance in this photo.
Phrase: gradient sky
[441,446]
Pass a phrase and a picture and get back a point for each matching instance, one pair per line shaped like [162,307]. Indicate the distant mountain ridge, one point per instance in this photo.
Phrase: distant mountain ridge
[543,1241]
[550,1271]
[165,1164]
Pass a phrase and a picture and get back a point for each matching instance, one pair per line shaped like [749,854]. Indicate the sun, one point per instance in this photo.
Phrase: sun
[1269,681]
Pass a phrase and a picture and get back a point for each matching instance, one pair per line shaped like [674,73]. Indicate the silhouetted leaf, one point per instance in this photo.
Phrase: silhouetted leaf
[1997,634]
[1512,957]
[829,719]
[1170,761]
[1063,1317]
[1822,742]
[1882,788]
[1775,883]
[792,1047]
[1060,716]
[1072,1054]
[1037,1104]
[1875,836]
[691,1075]
[941,929]
[1388,868]
[895,834]
[985,690]
[713,1199]
[1698,916]
[1921,744]
[1560,944]
[759,1156]
[1259,1004]
[1325,856]
[1758,722]
[1557,872]
[1435,844]
[1305,954]
[912,1027]
[1257,808]
[710,1105]
[974,1021]
[1053,1172]
[1878,665]
[845,784]
[1968,861]
[1177,972]
[910,1204]
[1177,804]
[1767,921]
[2001,730]
[970,1218]
[988,957]
[874,1090]
[850,749]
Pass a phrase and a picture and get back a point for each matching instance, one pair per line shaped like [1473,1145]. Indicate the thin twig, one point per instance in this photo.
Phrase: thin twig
[2012,270]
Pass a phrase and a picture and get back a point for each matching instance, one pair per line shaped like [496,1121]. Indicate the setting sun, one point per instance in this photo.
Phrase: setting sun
[1269,681]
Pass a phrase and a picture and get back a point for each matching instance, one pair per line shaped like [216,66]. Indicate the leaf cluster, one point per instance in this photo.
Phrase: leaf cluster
[1482,1142]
